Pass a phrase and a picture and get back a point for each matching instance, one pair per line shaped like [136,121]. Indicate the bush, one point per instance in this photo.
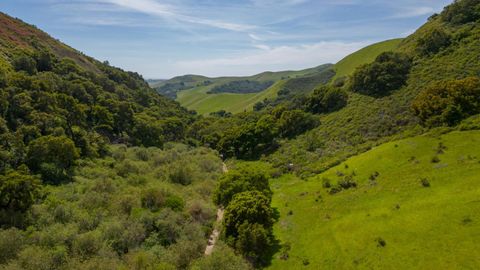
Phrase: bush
[252,207]
[25,63]
[253,242]
[87,245]
[59,153]
[326,99]
[241,87]
[153,199]
[223,258]
[448,102]
[175,203]
[347,183]
[425,182]
[180,173]
[433,41]
[11,242]
[462,11]
[388,72]
[248,178]
[35,258]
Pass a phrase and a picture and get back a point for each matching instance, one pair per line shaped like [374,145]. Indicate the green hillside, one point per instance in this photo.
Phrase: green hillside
[199,100]
[347,65]
[194,91]
[389,221]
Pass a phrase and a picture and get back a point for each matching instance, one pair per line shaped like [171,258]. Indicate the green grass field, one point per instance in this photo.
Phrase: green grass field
[347,65]
[436,227]
[197,99]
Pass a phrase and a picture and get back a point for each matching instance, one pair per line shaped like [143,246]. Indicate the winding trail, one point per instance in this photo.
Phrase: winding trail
[212,240]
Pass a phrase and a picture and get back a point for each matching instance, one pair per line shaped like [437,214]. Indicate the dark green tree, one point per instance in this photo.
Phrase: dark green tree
[326,99]
[53,157]
[448,102]
[243,179]
[433,41]
[388,72]
[18,191]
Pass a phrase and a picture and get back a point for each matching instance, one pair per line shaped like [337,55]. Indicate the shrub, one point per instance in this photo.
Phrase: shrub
[425,182]
[57,154]
[223,258]
[153,199]
[380,242]
[25,63]
[181,173]
[87,245]
[326,183]
[246,178]
[448,102]
[462,11]
[433,41]
[250,206]
[347,183]
[175,203]
[326,99]
[335,190]
[242,87]
[11,242]
[388,72]
[253,242]
[35,258]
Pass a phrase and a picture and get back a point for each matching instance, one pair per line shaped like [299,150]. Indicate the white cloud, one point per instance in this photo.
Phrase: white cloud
[278,2]
[413,12]
[168,12]
[270,58]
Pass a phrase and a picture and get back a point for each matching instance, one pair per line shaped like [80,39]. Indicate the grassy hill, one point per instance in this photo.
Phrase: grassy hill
[368,120]
[391,221]
[193,90]
[347,65]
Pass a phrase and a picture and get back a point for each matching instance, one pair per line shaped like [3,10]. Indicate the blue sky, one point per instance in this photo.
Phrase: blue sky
[165,38]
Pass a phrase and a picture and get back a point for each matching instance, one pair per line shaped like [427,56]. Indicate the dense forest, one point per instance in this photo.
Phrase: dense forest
[241,87]
[99,171]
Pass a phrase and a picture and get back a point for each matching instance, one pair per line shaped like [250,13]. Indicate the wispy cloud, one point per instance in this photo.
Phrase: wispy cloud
[272,58]
[278,2]
[413,12]
[169,12]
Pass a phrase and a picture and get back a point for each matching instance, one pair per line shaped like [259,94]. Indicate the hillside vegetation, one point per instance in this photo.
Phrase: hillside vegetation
[406,204]
[198,93]
[370,119]
[347,65]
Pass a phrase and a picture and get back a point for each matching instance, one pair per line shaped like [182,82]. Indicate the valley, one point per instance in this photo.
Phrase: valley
[369,163]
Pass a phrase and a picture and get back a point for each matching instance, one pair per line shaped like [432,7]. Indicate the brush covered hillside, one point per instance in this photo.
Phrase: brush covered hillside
[93,174]
[376,171]
[439,55]
[234,94]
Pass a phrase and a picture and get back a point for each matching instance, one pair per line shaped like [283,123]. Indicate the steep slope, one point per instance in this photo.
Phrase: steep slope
[17,35]
[51,92]
[414,206]
[368,120]
[347,65]
[193,91]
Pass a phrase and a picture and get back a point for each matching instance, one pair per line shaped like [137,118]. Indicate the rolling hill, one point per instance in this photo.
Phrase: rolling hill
[192,91]
[406,211]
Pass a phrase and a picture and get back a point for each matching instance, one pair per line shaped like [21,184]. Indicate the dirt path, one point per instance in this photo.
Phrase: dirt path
[212,240]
